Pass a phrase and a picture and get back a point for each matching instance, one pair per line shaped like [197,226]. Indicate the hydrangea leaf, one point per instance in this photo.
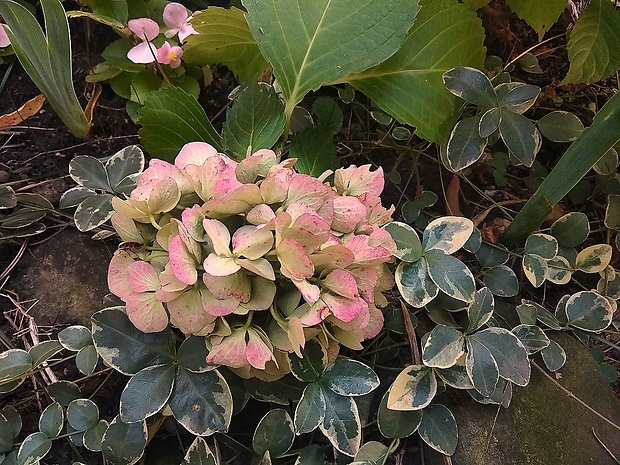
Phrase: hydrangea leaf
[541,16]
[315,151]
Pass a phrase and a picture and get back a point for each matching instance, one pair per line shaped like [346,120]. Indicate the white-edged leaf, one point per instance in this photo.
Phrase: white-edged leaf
[480,310]
[82,414]
[543,245]
[560,126]
[438,429]
[443,347]
[43,351]
[146,393]
[553,356]
[532,337]
[414,283]
[481,367]
[571,229]
[341,423]
[124,443]
[310,409]
[489,122]
[508,353]
[397,423]
[521,137]
[465,145]
[89,172]
[413,389]
[274,433]
[124,163]
[74,196]
[559,270]
[408,245]
[471,85]
[535,269]
[594,258]
[350,378]
[93,212]
[501,281]
[199,453]
[33,449]
[93,437]
[14,363]
[52,420]
[447,233]
[450,275]
[75,337]
[589,311]
[455,376]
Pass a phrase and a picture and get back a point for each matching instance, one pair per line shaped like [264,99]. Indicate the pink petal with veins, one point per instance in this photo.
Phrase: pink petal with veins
[142,277]
[342,283]
[258,353]
[194,153]
[348,212]
[142,53]
[117,275]
[147,313]
[175,15]
[220,266]
[230,351]
[182,263]
[144,28]
[4,37]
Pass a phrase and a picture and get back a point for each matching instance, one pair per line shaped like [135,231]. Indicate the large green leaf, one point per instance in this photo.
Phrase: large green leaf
[593,50]
[124,443]
[341,423]
[508,353]
[315,151]
[312,42]
[540,15]
[224,37]
[146,393]
[409,84]
[171,118]
[255,121]
[438,429]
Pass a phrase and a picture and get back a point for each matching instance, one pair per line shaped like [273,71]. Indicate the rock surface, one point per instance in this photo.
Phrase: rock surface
[543,425]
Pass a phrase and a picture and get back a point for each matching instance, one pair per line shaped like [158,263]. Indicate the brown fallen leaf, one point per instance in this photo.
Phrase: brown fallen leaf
[31,107]
[452,197]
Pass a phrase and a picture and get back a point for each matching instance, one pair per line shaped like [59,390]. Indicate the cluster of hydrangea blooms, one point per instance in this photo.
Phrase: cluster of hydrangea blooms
[253,255]
[146,30]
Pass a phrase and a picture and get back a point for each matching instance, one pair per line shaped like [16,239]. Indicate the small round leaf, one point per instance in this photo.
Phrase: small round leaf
[502,281]
[33,448]
[571,229]
[438,429]
[75,337]
[52,420]
[274,433]
[560,126]
[82,414]
[124,443]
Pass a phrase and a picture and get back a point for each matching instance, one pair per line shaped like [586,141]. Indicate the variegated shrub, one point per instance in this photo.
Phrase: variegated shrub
[253,255]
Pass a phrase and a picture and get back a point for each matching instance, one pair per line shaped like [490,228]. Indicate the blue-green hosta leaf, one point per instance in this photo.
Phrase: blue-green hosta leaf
[446,34]
[43,351]
[341,423]
[201,402]
[443,347]
[52,420]
[535,269]
[540,15]
[450,275]
[312,365]
[146,393]
[397,423]
[93,212]
[489,255]
[224,38]
[465,145]
[559,270]
[520,136]
[13,364]
[33,449]
[125,162]
[501,281]
[489,122]
[455,376]
[589,311]
[326,40]
[553,356]
[472,85]
[480,309]
[124,443]
[82,414]
[413,389]
[438,429]
[532,337]
[350,378]
[414,283]
[594,259]
[516,96]
[89,172]
[75,337]
[93,437]
[543,245]
[274,433]
[571,229]
[315,151]
[199,453]
[592,50]
[408,245]
[255,121]
[560,126]
[310,410]
[74,196]
[508,353]
[124,347]
[481,367]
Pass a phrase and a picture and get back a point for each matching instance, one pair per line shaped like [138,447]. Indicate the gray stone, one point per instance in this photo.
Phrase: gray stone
[543,425]
[67,275]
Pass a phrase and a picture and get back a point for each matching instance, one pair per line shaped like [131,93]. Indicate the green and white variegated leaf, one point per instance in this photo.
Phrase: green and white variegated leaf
[443,347]
[64,392]
[75,337]
[521,137]
[589,311]
[86,360]
[481,367]
[311,455]
[33,449]
[75,196]
[126,348]
[124,443]
[508,352]
[371,452]
[489,255]
[532,337]
[502,395]
[415,284]
[14,421]
[274,433]
[465,145]
[604,287]
[93,212]
[44,351]
[501,281]
[408,245]
[192,355]
[89,172]
[413,389]
[489,122]
[559,270]
[310,410]
[612,212]
[146,393]
[282,391]
[560,126]
[450,275]
[350,378]
[571,229]
[6,436]
[447,233]
[594,258]
[455,376]
[480,309]
[52,420]
[93,437]
[341,423]
[124,163]
[397,423]
[539,313]
[438,429]
[535,269]
[474,242]
[310,367]
[199,453]
[201,402]
[543,245]
[13,364]
[553,356]
[472,85]
[82,414]
[516,97]
[560,310]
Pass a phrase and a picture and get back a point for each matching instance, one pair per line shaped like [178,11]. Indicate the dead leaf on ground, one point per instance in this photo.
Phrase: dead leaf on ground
[452,197]
[31,107]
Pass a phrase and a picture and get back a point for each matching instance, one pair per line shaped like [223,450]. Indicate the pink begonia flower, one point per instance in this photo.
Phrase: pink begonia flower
[177,19]
[4,38]
[243,347]
[146,30]
[169,55]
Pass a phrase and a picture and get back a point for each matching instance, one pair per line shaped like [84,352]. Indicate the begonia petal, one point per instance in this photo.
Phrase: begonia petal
[175,15]
[144,28]
[4,37]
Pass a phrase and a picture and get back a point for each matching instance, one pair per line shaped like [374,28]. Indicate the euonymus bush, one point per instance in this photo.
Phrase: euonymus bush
[252,269]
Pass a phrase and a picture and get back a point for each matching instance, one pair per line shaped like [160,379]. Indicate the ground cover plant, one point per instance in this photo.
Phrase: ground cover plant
[257,276]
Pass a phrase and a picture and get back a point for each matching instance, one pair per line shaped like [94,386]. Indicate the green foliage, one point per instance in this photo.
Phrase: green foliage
[540,16]
[24,212]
